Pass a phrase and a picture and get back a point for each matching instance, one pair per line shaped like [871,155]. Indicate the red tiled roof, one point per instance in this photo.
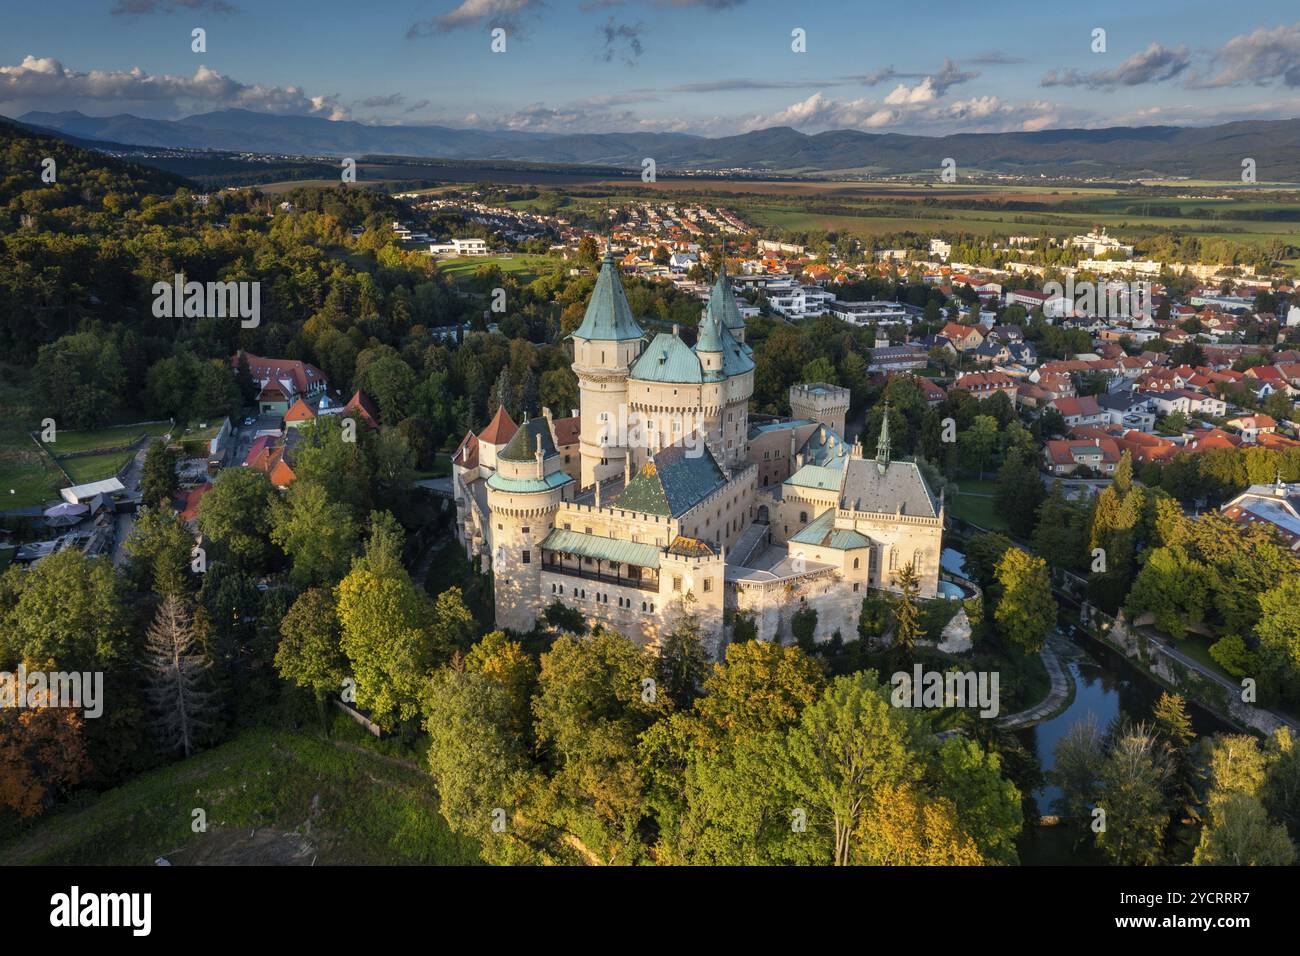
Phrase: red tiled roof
[361,403]
[188,501]
[300,411]
[500,430]
[303,375]
[466,454]
[567,430]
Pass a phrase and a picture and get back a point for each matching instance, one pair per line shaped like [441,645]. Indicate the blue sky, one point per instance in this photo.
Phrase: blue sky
[715,67]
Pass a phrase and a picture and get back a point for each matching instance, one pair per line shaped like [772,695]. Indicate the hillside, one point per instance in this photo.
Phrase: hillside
[275,797]
[1212,152]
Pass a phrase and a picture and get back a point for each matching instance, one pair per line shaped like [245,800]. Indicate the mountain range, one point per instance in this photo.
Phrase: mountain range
[1208,152]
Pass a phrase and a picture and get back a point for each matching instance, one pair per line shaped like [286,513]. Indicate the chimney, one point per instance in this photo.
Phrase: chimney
[627,468]
[573,412]
[597,492]
[538,455]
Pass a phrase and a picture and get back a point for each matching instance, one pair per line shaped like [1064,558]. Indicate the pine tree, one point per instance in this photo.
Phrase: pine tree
[907,617]
[176,671]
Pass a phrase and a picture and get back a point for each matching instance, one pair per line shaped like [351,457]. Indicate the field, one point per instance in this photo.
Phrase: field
[24,470]
[269,796]
[525,268]
[95,455]
[974,502]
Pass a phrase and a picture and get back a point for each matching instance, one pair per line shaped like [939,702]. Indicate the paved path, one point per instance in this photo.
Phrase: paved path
[1053,652]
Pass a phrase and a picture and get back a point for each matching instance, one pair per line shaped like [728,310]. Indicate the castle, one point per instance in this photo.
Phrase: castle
[661,494]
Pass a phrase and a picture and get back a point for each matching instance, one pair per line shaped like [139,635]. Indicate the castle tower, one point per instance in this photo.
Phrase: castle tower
[723,306]
[828,404]
[604,347]
[523,497]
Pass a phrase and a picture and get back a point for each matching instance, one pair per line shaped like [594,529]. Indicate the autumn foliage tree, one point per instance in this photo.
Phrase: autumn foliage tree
[42,753]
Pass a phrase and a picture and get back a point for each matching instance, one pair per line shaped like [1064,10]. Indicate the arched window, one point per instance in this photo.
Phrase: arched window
[893,559]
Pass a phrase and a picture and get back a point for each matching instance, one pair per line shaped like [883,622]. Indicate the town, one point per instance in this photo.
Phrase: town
[872,481]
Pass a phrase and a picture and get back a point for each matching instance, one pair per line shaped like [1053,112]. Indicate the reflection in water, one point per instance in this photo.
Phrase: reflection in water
[1106,686]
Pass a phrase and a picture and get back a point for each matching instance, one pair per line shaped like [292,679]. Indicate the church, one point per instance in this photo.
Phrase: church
[662,495]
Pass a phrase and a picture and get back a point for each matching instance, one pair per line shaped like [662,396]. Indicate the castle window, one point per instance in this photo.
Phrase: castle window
[643,607]
[677,582]
[708,584]
[893,559]
[527,557]
[855,585]
[525,530]
[568,526]
[803,517]
[855,566]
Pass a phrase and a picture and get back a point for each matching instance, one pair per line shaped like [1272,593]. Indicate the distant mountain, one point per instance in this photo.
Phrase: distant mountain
[1211,152]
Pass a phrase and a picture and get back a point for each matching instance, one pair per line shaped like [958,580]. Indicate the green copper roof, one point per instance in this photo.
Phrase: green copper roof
[722,303]
[735,356]
[816,476]
[668,359]
[603,549]
[710,337]
[523,447]
[672,483]
[609,317]
[525,486]
[822,533]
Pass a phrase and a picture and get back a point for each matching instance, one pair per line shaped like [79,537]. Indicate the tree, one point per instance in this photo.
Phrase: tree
[683,662]
[478,758]
[1131,790]
[68,615]
[310,654]
[1173,587]
[986,803]
[591,708]
[847,746]
[1242,834]
[159,551]
[158,482]
[1278,631]
[235,514]
[803,627]
[42,753]
[1076,772]
[907,617]
[1173,725]
[386,625]
[905,826]
[1026,611]
[318,534]
[175,672]
[978,442]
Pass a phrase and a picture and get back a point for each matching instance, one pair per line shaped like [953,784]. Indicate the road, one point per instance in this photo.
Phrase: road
[126,521]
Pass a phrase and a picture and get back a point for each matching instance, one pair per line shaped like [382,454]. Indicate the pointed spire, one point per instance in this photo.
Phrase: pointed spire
[882,446]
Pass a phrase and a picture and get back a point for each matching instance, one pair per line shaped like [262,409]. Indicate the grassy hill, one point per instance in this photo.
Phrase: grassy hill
[270,796]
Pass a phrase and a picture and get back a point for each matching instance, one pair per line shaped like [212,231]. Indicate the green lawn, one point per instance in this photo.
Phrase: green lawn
[24,469]
[1197,647]
[525,268]
[89,468]
[74,442]
[976,509]
[342,800]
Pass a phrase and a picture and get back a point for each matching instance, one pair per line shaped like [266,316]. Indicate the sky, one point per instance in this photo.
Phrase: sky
[709,67]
